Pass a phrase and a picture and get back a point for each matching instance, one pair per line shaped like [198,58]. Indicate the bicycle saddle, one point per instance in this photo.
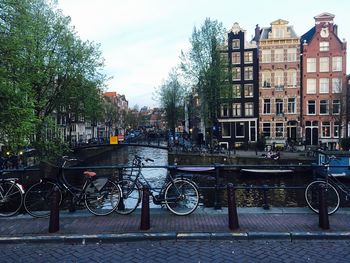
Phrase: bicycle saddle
[89,174]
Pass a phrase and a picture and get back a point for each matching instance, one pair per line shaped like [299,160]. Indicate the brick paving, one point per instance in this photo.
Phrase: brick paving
[162,221]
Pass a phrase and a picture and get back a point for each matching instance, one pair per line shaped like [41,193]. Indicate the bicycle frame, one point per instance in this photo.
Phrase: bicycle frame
[159,198]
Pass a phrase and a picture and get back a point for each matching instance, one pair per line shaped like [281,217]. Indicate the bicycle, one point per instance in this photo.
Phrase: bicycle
[332,187]
[179,195]
[11,195]
[100,196]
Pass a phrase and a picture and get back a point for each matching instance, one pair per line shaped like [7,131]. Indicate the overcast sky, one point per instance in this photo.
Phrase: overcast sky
[142,40]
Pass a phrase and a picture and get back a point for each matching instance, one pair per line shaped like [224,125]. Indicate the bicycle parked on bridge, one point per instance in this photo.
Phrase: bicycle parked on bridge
[11,193]
[333,188]
[179,195]
[100,196]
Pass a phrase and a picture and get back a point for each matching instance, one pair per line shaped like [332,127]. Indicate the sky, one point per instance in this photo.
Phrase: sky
[141,41]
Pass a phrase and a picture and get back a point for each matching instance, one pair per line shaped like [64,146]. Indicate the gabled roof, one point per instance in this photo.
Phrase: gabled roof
[308,35]
[279,22]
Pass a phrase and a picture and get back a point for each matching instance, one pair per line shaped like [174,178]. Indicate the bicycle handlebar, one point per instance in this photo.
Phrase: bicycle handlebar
[139,158]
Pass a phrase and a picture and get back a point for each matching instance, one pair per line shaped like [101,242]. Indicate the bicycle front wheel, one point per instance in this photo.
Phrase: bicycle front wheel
[39,197]
[181,197]
[131,197]
[11,198]
[312,196]
[103,201]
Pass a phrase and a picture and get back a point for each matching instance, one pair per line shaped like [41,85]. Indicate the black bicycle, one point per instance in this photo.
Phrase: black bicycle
[332,187]
[100,196]
[179,195]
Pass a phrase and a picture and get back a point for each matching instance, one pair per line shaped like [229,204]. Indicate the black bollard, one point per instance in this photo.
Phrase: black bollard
[322,208]
[54,224]
[145,215]
[232,208]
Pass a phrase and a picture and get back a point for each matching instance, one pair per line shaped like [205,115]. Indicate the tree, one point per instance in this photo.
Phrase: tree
[46,65]
[205,69]
[171,97]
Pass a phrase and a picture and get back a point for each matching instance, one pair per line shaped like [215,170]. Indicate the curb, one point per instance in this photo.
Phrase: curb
[180,236]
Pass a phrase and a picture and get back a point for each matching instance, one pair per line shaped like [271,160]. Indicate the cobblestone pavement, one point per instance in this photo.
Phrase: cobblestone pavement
[182,251]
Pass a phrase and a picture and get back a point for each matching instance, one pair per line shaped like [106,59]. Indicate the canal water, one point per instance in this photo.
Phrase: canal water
[274,190]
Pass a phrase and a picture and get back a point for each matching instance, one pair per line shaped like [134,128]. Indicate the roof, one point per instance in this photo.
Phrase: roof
[110,94]
[308,35]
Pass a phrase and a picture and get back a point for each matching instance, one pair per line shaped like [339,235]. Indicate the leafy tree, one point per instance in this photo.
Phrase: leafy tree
[171,97]
[205,69]
[45,67]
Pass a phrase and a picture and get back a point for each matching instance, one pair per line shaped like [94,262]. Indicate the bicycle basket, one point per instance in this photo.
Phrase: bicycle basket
[48,170]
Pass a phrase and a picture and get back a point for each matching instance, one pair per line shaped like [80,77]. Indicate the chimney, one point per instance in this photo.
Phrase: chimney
[335,30]
[257,33]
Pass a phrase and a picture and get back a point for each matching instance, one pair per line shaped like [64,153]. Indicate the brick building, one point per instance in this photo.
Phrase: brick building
[324,83]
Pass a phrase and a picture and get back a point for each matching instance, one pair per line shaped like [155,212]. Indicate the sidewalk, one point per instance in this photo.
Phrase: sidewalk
[205,223]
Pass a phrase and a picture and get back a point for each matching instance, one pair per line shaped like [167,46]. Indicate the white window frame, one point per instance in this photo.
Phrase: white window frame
[311,86]
[324,46]
[324,64]
[308,104]
[324,85]
[311,65]
[337,64]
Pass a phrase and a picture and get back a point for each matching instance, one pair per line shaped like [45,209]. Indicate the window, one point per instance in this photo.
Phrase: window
[311,86]
[236,91]
[267,106]
[236,58]
[336,107]
[249,109]
[311,64]
[279,79]
[291,105]
[279,129]
[226,130]
[279,32]
[326,129]
[224,110]
[248,90]
[279,56]
[266,79]
[279,107]
[324,107]
[336,85]
[291,54]
[248,57]
[235,44]
[236,109]
[267,129]
[336,129]
[236,73]
[324,85]
[324,64]
[240,129]
[336,63]
[311,107]
[248,73]
[324,46]
[292,78]
[266,56]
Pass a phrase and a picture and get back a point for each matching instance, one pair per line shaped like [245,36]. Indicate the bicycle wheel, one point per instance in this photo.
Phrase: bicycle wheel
[103,201]
[312,196]
[38,199]
[11,198]
[181,197]
[131,197]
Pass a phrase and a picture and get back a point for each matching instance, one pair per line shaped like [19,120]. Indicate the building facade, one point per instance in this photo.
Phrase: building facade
[324,93]
[279,83]
[238,113]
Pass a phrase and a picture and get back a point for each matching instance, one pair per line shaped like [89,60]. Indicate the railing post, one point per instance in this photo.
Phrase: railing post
[121,205]
[265,204]
[145,215]
[54,224]
[323,208]
[217,201]
[232,208]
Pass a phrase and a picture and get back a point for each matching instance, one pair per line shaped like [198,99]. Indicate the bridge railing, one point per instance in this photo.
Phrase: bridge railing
[211,179]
